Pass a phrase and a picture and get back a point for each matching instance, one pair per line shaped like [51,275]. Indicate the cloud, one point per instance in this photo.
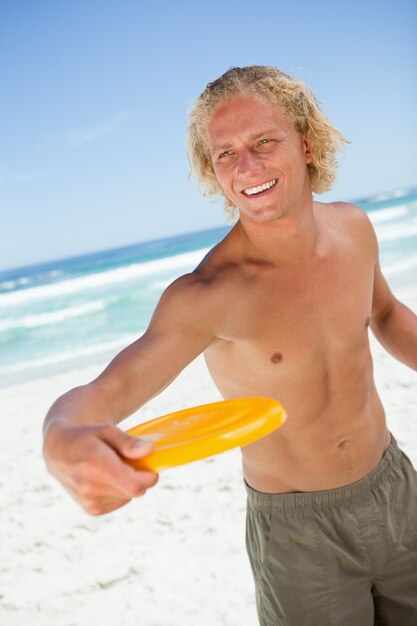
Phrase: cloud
[22,178]
[27,177]
[81,136]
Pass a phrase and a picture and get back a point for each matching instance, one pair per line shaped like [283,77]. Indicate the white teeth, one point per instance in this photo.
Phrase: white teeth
[264,187]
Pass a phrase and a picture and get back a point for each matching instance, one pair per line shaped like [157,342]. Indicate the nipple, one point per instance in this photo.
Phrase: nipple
[276,357]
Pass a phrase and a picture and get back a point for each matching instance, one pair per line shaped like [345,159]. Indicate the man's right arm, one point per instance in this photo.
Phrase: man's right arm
[83,447]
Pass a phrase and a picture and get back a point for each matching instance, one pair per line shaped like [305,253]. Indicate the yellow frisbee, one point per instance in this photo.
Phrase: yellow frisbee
[202,431]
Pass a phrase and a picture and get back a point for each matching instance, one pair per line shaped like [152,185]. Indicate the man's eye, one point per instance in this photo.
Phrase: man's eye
[263,141]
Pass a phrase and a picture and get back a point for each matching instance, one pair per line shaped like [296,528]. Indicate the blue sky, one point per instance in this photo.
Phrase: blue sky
[94,99]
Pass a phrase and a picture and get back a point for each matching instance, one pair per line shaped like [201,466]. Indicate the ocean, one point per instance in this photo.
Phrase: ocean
[68,313]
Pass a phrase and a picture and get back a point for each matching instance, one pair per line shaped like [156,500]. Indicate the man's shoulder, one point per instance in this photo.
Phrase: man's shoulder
[350,223]
[342,209]
[204,283]
[347,215]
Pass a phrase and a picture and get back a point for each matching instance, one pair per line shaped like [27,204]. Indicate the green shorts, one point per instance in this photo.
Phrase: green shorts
[341,557]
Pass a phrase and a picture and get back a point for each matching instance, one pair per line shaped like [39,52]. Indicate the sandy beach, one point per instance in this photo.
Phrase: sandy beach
[176,556]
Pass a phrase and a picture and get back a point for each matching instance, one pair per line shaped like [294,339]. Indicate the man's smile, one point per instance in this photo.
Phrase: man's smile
[259,189]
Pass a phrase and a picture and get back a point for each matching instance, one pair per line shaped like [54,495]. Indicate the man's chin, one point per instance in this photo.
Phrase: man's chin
[261,216]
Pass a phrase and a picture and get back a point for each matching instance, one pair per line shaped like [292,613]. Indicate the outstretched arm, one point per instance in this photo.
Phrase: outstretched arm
[83,448]
[393,323]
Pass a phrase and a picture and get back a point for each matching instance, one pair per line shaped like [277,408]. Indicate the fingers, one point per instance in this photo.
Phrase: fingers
[98,498]
[130,482]
[90,467]
[96,509]
[125,480]
[126,445]
[107,476]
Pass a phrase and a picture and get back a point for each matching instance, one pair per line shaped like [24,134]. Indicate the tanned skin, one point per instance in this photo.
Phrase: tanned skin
[280,308]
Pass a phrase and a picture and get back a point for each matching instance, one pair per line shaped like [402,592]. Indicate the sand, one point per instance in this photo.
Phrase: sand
[176,556]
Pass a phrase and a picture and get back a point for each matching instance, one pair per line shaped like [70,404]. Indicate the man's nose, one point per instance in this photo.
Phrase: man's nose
[248,163]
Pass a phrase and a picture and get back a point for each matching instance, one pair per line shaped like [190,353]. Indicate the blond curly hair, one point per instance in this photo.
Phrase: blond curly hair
[272,85]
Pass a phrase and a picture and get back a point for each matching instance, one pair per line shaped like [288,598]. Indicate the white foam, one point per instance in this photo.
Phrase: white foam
[9,284]
[186,261]
[388,195]
[389,232]
[385,215]
[401,266]
[54,317]
[59,358]
[26,280]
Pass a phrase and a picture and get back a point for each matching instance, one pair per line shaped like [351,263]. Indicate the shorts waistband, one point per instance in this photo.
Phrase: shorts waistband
[265,501]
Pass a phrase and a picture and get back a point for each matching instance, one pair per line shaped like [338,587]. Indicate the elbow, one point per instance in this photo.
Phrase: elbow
[382,316]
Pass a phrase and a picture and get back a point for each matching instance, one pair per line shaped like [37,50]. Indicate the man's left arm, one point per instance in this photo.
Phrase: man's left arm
[393,323]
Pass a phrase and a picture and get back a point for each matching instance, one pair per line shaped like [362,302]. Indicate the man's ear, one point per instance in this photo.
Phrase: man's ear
[307,151]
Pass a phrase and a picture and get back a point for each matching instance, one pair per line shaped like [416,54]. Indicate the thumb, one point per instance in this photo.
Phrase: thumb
[136,448]
[127,445]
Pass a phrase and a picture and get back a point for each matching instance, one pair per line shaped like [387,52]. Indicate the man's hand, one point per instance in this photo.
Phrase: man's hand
[86,459]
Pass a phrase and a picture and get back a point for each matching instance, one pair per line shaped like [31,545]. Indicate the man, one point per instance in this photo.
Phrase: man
[280,308]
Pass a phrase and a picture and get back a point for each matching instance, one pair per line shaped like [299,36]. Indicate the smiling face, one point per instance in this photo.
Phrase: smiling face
[259,158]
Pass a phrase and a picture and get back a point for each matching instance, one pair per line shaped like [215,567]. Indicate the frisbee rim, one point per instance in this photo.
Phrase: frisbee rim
[210,441]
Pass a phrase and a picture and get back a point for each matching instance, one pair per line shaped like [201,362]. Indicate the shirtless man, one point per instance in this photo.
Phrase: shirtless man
[281,308]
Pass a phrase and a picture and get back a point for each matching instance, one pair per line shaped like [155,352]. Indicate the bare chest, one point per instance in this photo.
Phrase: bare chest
[324,307]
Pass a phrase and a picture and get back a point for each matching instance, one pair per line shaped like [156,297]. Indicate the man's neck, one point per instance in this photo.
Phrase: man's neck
[290,240]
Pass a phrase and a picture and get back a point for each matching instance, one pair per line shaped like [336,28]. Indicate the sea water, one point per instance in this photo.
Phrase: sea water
[68,313]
